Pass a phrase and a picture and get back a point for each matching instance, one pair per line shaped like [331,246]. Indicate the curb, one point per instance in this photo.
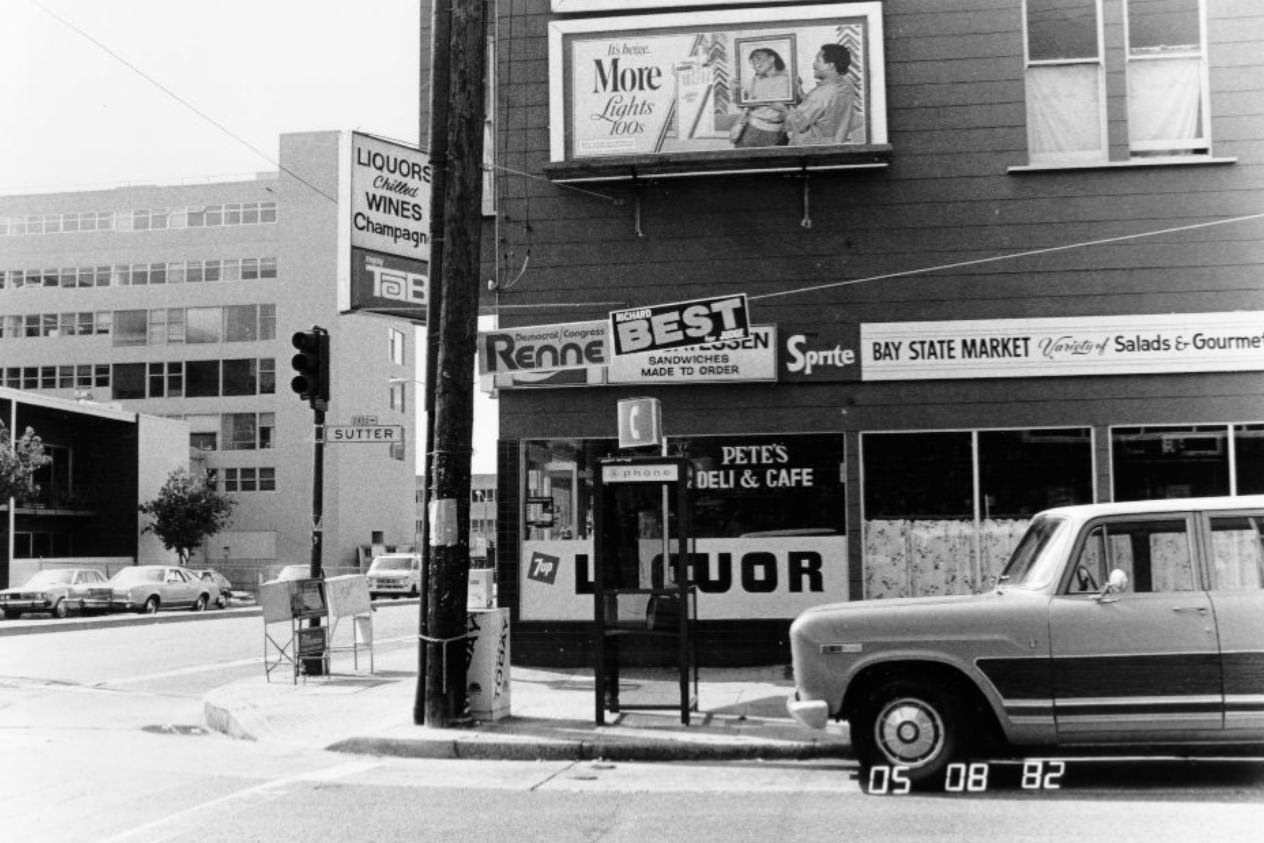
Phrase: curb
[600,750]
[44,625]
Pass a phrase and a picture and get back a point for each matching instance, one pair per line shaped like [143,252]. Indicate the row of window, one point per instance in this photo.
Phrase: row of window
[242,479]
[194,378]
[231,431]
[178,379]
[144,219]
[158,326]
[1068,110]
[141,274]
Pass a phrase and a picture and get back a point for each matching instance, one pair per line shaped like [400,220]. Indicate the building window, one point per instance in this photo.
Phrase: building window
[1170,462]
[1167,96]
[249,479]
[267,375]
[201,378]
[1066,86]
[395,342]
[943,510]
[130,327]
[240,431]
[240,376]
[128,381]
[395,397]
[241,323]
[203,324]
[1166,102]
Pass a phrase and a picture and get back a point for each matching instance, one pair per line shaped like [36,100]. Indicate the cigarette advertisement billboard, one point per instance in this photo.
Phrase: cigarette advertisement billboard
[717,81]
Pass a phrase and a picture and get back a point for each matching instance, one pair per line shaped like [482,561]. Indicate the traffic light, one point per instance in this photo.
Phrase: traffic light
[312,367]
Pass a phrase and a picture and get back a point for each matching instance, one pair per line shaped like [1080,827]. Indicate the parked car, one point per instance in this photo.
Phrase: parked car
[222,589]
[148,588]
[57,591]
[396,574]
[1136,624]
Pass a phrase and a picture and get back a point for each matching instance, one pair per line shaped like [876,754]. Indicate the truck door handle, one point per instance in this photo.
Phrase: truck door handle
[1202,610]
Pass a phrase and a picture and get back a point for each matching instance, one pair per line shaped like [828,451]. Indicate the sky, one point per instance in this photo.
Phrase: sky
[100,93]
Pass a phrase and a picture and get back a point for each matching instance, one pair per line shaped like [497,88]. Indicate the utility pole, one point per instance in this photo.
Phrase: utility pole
[457,115]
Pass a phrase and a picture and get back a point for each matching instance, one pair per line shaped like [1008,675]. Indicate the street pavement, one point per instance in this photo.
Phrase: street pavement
[552,715]
[365,705]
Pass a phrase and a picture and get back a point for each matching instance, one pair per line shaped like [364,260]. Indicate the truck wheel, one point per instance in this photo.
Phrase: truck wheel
[911,725]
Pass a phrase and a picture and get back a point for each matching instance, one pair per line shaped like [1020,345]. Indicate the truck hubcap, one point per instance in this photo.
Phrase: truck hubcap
[909,732]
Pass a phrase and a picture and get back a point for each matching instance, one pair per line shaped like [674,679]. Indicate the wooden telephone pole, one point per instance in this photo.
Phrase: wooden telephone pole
[456,137]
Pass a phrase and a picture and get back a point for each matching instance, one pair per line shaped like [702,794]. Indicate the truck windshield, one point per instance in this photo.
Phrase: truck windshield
[1030,566]
[392,563]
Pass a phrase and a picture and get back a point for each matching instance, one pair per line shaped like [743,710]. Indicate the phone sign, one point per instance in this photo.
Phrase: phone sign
[640,423]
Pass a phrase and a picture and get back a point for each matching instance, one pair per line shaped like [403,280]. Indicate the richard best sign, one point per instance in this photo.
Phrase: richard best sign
[1088,345]
[384,231]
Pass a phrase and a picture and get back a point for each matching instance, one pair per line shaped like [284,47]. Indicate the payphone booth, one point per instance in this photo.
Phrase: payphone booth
[641,588]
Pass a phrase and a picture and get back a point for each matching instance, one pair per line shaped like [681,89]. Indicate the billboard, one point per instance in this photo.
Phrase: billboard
[384,227]
[724,82]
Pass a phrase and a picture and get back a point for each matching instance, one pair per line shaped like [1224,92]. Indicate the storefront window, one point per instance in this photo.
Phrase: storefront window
[768,524]
[1248,442]
[1169,462]
[943,511]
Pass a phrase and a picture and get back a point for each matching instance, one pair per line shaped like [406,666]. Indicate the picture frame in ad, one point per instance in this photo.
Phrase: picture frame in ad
[763,71]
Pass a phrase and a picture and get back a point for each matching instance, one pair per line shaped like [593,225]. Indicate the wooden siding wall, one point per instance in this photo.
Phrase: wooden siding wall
[957,123]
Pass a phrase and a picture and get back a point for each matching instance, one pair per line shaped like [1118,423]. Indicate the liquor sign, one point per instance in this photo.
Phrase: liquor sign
[384,227]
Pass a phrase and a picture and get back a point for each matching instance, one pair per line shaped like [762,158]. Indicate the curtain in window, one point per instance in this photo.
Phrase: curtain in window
[1064,112]
[1164,102]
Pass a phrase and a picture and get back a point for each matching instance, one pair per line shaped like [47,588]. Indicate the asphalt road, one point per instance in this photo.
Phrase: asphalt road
[100,739]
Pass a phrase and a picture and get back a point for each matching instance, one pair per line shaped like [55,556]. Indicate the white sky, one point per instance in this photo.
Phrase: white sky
[75,117]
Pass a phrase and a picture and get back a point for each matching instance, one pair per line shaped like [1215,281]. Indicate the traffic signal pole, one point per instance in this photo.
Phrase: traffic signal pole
[311,382]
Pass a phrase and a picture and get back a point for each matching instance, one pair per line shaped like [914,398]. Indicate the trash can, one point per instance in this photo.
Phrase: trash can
[487,673]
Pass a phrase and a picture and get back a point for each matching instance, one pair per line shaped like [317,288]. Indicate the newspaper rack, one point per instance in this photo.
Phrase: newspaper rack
[291,602]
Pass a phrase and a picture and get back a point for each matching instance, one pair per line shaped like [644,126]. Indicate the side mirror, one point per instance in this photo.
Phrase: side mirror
[1117,583]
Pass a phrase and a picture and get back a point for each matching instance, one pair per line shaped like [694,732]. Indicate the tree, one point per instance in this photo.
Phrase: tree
[19,461]
[187,510]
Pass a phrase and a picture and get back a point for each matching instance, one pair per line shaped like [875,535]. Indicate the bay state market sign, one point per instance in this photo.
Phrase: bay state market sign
[383,227]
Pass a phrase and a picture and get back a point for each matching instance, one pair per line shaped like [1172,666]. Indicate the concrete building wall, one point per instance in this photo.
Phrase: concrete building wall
[366,487]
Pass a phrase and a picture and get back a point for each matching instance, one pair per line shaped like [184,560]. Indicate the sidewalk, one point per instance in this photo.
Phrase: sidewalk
[741,715]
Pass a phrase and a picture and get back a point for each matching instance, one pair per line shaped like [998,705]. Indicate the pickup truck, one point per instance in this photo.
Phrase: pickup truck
[1136,624]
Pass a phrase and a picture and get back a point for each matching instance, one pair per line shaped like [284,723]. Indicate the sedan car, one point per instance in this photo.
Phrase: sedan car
[222,589]
[57,591]
[148,588]
[1136,624]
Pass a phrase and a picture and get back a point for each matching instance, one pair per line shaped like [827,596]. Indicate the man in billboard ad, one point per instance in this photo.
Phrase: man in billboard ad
[709,81]
[768,520]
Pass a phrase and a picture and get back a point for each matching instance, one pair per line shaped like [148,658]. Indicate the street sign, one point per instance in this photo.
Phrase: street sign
[340,434]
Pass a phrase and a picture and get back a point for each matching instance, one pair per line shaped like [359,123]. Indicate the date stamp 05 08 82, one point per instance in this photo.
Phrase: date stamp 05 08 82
[1037,774]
